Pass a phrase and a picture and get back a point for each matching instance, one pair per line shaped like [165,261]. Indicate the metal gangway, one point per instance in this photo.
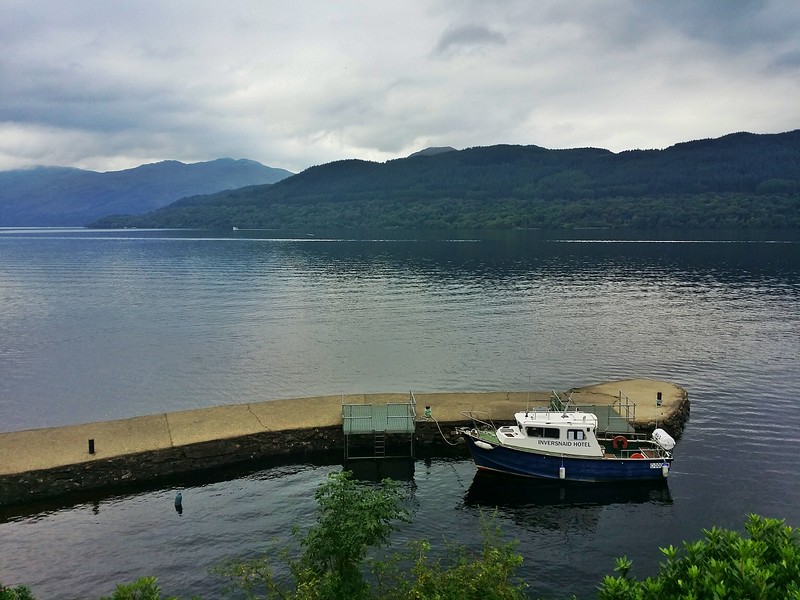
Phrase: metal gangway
[378,421]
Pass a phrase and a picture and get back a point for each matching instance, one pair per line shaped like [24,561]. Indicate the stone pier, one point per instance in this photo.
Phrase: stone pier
[43,463]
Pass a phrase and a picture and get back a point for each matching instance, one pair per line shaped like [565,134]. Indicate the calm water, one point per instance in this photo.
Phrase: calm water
[102,325]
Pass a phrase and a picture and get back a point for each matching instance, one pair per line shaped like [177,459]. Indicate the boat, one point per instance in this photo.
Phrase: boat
[562,442]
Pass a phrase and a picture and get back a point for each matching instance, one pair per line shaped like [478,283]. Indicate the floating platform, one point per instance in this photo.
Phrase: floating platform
[42,463]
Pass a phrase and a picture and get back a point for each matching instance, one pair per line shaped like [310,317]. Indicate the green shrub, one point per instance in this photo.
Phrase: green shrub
[463,575]
[144,588]
[765,565]
[352,517]
[20,592]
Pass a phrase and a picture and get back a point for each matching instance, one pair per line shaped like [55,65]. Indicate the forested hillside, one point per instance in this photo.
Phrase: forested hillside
[740,180]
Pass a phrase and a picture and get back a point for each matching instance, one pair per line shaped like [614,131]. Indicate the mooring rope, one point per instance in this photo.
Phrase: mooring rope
[444,437]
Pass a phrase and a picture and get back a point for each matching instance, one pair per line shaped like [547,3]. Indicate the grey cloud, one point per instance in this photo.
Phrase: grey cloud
[467,36]
[733,25]
[787,61]
[736,25]
[109,84]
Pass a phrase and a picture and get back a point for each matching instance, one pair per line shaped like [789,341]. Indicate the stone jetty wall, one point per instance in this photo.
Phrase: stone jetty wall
[212,455]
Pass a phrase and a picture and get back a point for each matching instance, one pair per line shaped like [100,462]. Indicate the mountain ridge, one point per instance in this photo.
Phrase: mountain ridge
[66,196]
[739,180]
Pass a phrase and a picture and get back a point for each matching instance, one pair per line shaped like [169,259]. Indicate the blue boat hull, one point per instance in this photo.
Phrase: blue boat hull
[530,464]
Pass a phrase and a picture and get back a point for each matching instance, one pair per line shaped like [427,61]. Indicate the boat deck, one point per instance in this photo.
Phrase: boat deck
[646,452]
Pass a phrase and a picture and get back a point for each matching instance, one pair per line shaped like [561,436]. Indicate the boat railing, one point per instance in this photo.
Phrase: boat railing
[632,436]
[480,419]
[400,416]
[629,453]
[628,407]
[559,405]
[641,442]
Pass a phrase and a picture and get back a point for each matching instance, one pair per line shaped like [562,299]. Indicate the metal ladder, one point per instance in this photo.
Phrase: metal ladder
[380,444]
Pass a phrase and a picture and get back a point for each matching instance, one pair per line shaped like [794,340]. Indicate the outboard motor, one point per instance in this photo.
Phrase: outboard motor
[663,439]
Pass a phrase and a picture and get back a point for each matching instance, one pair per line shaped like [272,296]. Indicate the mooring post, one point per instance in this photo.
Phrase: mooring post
[91,446]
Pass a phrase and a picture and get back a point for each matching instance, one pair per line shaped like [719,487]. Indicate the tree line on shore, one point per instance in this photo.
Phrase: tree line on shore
[741,180]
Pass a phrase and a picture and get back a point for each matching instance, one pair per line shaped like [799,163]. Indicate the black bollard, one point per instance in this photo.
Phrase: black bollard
[658,399]
[91,446]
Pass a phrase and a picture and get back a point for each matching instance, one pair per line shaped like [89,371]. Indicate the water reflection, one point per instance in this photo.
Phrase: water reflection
[555,505]
[495,490]
[265,469]
[492,261]
[375,470]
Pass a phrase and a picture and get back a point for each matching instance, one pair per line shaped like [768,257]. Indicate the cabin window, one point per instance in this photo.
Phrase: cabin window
[543,432]
[575,434]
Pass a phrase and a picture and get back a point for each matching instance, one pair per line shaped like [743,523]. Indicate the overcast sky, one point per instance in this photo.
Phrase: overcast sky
[108,85]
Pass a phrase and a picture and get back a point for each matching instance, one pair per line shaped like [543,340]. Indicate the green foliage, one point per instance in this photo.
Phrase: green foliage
[487,575]
[765,565]
[354,518]
[144,588]
[351,518]
[20,592]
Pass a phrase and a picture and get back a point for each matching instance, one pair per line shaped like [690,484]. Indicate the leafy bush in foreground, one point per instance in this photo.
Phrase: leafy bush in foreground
[723,565]
[353,518]
[20,592]
[464,575]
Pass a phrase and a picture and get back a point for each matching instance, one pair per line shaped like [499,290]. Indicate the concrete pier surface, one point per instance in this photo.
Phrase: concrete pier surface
[146,447]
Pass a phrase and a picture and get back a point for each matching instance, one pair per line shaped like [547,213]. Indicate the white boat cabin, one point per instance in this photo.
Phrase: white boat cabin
[553,432]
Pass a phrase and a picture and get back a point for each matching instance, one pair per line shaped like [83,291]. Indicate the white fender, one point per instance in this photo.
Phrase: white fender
[663,439]
[482,444]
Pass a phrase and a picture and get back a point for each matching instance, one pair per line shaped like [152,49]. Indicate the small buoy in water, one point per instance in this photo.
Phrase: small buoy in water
[179,503]
[562,473]
[664,470]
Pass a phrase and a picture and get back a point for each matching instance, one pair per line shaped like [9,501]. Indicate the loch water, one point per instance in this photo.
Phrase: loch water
[98,325]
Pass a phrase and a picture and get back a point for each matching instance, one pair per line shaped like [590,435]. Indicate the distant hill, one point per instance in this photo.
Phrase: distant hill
[739,180]
[432,150]
[58,196]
